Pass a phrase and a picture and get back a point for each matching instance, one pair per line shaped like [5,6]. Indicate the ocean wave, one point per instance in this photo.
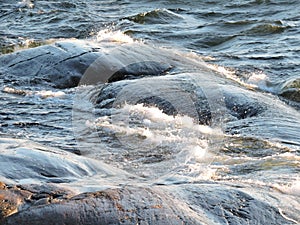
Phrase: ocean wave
[264,29]
[158,16]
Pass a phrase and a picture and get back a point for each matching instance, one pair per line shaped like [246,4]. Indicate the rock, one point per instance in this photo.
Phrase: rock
[70,63]
[60,65]
[140,69]
[291,94]
[51,186]
[36,163]
[290,89]
[183,204]
[113,206]
[8,203]
[170,94]
[178,94]
[63,64]
[11,198]
[52,180]
[15,198]
[230,205]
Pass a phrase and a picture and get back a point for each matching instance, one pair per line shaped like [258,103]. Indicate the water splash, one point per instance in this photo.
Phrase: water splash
[108,35]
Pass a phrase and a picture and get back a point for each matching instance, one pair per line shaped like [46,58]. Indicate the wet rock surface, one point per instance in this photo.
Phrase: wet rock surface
[63,64]
[132,205]
[67,64]
[50,186]
[112,206]
[232,206]
[291,90]
[44,164]
[60,65]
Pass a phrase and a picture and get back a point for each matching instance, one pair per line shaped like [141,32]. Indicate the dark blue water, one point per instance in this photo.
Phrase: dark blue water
[252,45]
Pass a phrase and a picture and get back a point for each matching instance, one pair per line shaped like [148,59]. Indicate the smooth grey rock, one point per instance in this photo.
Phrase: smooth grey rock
[58,65]
[229,205]
[237,102]
[33,163]
[112,206]
[193,204]
[63,64]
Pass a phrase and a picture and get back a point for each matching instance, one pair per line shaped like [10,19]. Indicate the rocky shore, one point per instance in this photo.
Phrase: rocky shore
[46,185]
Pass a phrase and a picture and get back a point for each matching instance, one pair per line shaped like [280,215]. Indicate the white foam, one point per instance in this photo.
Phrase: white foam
[50,94]
[14,91]
[256,80]
[113,36]
[146,133]
[293,188]
[228,73]
[25,3]
[42,94]
[261,81]
[153,127]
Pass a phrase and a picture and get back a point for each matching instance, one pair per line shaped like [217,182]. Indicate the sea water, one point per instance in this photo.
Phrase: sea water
[252,43]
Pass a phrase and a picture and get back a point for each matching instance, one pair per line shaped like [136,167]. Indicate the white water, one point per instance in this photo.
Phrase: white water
[42,94]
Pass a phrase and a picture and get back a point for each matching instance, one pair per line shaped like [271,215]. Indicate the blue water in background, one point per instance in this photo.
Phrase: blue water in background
[245,35]
[253,42]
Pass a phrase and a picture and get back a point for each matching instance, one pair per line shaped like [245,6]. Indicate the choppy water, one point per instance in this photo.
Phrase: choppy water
[252,45]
